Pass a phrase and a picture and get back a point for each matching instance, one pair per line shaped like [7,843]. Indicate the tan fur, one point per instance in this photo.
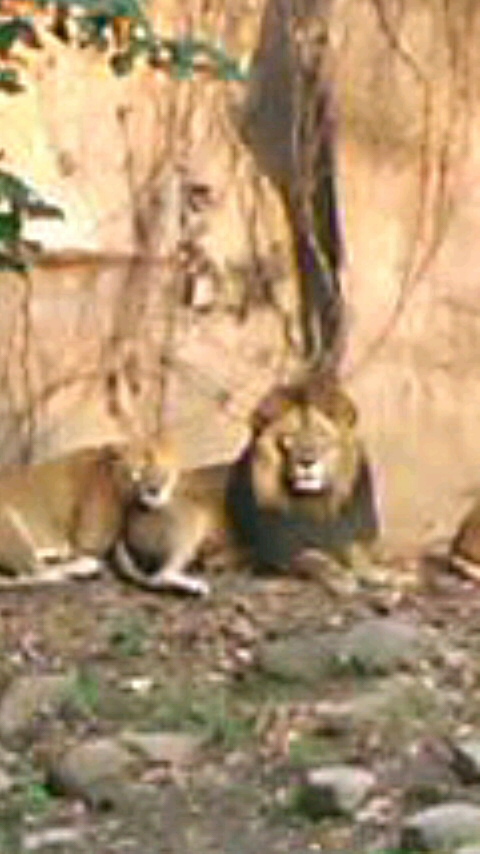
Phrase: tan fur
[55,513]
[465,548]
[263,494]
[159,544]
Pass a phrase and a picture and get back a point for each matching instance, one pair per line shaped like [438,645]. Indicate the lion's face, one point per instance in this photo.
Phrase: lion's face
[309,451]
[305,446]
[147,472]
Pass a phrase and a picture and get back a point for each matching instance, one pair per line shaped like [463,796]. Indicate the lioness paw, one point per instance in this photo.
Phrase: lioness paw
[183,584]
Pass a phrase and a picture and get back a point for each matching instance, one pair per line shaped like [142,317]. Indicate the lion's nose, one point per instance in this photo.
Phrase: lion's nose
[306,458]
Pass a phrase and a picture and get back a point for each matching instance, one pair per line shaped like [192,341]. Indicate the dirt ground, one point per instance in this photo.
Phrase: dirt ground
[256,675]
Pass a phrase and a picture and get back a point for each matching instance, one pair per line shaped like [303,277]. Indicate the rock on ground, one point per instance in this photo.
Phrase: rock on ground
[93,770]
[336,790]
[28,697]
[382,645]
[176,749]
[442,827]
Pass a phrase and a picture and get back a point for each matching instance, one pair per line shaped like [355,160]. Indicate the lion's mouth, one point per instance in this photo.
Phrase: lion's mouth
[153,497]
[309,479]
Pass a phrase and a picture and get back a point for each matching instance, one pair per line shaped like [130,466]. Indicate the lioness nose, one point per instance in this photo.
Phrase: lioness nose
[151,490]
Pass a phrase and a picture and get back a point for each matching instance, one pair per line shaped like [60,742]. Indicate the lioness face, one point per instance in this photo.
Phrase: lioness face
[149,473]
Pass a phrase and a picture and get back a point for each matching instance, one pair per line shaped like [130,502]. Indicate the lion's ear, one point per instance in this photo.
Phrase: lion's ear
[345,411]
[111,453]
[324,390]
[338,407]
[271,406]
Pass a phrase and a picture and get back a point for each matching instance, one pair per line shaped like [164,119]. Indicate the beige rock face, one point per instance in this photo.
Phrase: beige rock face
[409,165]
[122,157]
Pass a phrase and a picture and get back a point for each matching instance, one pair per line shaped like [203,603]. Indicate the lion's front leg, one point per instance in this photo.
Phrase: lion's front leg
[22,552]
[168,576]
[37,557]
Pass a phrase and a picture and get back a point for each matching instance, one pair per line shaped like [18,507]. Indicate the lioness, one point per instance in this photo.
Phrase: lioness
[464,553]
[303,481]
[56,515]
[164,531]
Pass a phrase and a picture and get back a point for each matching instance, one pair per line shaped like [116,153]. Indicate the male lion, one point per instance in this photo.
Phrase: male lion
[62,517]
[303,481]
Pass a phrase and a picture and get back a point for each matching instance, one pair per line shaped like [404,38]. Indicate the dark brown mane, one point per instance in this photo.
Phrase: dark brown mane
[320,389]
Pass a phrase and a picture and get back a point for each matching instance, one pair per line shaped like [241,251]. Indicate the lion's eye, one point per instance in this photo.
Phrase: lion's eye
[286,441]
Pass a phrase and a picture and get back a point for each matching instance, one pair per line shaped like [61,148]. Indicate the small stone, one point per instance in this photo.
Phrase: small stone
[381,645]
[8,758]
[50,836]
[331,791]
[141,685]
[176,749]
[299,659]
[429,777]
[466,760]
[94,771]
[28,697]
[370,707]
[378,811]
[442,827]
[6,782]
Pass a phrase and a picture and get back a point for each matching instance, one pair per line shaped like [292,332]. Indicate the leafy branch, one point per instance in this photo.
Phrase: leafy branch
[18,201]
[123,30]
[120,27]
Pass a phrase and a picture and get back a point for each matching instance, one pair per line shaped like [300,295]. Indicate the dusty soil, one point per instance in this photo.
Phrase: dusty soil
[214,668]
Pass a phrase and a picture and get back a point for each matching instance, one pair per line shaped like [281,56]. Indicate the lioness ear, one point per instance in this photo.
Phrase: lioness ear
[111,453]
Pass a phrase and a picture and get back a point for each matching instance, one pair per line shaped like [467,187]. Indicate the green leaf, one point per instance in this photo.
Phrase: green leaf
[14,189]
[10,81]
[18,29]
[25,198]
[99,16]
[10,228]
[37,797]
[229,69]
[123,9]
[8,35]
[184,52]
[110,8]
[183,70]
[94,30]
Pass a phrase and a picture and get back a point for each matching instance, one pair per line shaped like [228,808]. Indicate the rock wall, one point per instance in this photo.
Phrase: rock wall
[125,156]
[408,87]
